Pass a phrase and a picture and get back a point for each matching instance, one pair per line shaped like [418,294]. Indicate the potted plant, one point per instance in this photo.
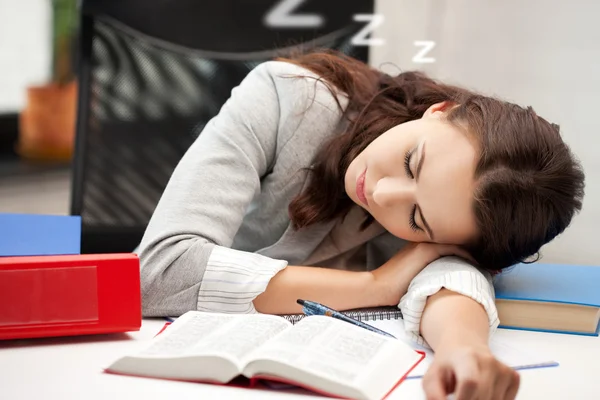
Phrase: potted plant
[47,123]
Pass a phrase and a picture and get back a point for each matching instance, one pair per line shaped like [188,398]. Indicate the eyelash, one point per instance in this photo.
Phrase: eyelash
[411,219]
[407,158]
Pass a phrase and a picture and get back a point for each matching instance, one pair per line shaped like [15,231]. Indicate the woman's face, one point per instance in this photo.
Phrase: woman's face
[416,180]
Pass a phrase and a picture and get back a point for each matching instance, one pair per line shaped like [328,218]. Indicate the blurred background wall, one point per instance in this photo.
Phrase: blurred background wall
[24,49]
[25,59]
[543,53]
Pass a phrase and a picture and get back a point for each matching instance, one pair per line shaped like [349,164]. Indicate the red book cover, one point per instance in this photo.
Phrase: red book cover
[69,295]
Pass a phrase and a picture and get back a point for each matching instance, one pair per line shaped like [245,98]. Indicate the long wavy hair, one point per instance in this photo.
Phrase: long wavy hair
[528,183]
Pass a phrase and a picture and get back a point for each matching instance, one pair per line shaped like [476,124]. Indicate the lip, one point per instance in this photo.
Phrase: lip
[360,188]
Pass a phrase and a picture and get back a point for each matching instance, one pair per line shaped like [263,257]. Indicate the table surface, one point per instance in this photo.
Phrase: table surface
[72,368]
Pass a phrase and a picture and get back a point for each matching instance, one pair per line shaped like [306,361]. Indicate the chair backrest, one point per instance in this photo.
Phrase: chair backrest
[153,73]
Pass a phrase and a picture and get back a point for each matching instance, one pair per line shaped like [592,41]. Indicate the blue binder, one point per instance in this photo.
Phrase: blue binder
[39,235]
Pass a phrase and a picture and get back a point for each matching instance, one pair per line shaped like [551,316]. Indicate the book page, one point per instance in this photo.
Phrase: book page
[225,335]
[324,347]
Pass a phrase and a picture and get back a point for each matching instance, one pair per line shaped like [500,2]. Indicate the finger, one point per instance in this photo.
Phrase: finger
[488,384]
[451,250]
[467,379]
[465,254]
[497,377]
[503,381]
[434,385]
[513,387]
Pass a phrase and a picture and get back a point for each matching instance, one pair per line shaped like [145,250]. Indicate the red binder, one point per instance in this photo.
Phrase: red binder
[69,295]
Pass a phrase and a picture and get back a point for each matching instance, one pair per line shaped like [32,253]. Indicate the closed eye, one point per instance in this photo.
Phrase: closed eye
[412,222]
[407,159]
[411,218]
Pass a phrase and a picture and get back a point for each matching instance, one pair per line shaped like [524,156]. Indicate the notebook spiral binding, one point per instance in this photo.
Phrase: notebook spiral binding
[362,314]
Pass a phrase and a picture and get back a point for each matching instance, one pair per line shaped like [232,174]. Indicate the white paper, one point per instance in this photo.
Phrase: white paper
[504,351]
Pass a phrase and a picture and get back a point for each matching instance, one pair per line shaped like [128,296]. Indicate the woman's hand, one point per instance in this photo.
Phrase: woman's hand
[394,277]
[470,372]
[457,328]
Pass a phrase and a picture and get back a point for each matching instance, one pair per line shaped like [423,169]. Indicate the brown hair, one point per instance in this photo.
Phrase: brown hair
[529,185]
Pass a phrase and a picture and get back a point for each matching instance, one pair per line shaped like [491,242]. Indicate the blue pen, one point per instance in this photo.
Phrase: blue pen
[312,308]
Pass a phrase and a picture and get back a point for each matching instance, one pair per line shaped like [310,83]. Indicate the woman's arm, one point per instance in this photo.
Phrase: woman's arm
[451,319]
[457,328]
[344,290]
[186,258]
[341,290]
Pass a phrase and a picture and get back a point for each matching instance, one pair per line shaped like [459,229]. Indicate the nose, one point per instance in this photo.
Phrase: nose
[391,192]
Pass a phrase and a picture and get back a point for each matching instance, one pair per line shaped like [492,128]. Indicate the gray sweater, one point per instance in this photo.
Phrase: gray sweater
[221,228]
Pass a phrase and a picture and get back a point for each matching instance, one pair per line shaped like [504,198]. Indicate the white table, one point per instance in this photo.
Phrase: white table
[72,368]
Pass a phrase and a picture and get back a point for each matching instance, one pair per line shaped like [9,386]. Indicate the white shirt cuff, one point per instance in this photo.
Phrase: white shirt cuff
[454,274]
[233,279]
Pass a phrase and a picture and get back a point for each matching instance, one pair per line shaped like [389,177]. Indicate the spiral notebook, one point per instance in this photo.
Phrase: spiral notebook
[360,314]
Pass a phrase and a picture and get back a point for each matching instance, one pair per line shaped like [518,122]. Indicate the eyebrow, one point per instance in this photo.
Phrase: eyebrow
[419,167]
[427,227]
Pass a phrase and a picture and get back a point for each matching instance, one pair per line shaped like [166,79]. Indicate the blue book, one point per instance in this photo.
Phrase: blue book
[550,298]
[39,235]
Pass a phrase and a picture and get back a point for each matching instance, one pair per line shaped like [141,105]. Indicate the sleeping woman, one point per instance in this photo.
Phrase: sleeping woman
[325,179]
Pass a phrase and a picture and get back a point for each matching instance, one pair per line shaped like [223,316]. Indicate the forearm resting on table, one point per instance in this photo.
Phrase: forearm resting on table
[341,290]
[451,319]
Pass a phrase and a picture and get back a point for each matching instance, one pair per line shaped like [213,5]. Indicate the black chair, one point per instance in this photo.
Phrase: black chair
[151,75]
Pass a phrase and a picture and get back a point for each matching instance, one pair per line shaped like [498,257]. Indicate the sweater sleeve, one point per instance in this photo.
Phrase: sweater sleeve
[185,255]
[456,275]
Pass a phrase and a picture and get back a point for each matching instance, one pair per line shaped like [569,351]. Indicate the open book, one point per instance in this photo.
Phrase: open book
[320,353]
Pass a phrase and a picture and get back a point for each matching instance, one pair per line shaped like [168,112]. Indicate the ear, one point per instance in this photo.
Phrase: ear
[438,110]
